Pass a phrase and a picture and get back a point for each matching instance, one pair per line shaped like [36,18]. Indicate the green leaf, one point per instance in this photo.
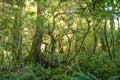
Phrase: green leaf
[114,78]
[92,76]
[27,76]
[62,77]
[83,77]
[56,70]
[76,68]
[48,71]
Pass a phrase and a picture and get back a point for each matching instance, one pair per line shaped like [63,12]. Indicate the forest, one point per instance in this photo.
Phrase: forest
[59,39]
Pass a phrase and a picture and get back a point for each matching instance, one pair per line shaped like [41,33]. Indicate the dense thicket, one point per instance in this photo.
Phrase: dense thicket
[59,39]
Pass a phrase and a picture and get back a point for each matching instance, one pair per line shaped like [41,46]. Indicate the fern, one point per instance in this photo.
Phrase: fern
[61,77]
[114,78]
[27,76]
[92,76]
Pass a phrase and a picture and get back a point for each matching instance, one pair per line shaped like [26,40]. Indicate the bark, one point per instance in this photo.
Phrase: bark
[35,51]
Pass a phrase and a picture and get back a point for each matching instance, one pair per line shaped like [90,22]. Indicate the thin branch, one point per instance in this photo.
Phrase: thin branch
[89,27]
[110,56]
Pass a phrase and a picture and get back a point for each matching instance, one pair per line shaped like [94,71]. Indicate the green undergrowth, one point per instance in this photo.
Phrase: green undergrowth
[63,72]
[96,67]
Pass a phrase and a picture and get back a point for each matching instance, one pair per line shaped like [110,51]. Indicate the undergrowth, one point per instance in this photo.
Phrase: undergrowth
[83,68]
